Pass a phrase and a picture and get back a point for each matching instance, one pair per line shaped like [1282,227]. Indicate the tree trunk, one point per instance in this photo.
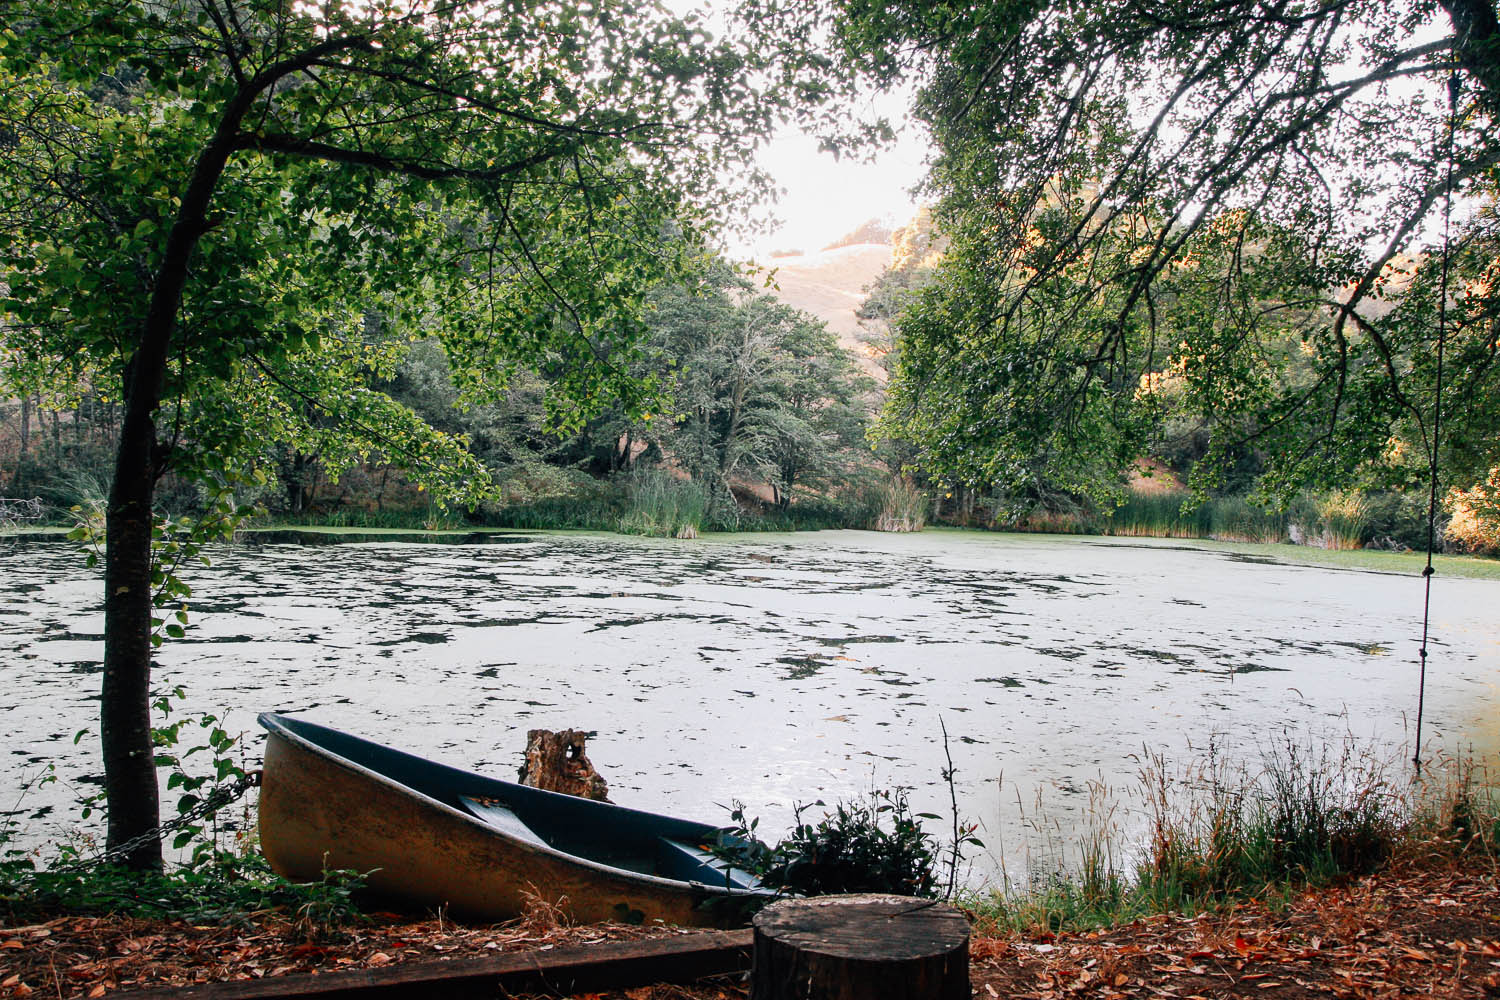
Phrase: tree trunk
[556,762]
[1476,30]
[125,709]
[863,947]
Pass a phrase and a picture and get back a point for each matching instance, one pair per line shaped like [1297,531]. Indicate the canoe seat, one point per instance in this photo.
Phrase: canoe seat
[682,859]
[502,818]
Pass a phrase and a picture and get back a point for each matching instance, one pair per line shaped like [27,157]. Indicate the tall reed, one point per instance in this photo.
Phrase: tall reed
[1214,830]
[1173,514]
[1343,516]
[902,507]
[663,505]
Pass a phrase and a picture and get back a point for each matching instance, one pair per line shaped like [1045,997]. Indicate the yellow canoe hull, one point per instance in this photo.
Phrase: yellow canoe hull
[322,812]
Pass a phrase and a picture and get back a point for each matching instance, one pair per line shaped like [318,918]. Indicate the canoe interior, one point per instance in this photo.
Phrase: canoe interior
[600,832]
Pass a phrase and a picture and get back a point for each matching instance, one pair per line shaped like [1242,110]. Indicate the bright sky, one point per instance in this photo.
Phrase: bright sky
[825,198]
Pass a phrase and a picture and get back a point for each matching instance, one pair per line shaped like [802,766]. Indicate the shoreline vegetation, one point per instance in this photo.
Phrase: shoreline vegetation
[452,528]
[1264,847]
[1213,832]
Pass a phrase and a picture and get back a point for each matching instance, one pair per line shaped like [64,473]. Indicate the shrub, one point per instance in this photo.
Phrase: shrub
[848,850]
[1475,526]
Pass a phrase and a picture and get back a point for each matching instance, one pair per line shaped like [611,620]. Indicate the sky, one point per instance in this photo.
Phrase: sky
[824,198]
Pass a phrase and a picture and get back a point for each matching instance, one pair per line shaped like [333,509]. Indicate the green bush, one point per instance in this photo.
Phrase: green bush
[1398,520]
[848,850]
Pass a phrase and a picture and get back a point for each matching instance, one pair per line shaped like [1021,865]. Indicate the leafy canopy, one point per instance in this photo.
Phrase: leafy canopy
[1227,200]
[507,177]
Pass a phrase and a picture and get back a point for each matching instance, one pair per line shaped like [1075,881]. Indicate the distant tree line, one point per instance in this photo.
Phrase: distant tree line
[757,406]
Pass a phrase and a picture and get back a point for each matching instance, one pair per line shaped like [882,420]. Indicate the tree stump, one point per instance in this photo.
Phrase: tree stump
[863,947]
[555,762]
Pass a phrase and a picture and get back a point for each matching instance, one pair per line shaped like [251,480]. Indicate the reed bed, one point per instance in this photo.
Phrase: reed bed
[665,506]
[1187,838]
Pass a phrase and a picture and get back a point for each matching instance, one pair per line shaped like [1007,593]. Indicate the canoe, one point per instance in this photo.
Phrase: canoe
[431,835]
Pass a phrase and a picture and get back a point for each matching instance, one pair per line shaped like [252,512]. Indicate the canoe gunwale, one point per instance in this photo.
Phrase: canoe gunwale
[276,727]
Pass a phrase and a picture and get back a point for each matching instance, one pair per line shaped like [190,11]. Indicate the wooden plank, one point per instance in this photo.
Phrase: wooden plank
[612,965]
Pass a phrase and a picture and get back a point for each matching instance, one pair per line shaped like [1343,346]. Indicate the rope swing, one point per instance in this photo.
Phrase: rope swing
[1454,86]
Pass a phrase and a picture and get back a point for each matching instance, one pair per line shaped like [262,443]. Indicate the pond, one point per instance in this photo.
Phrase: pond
[773,669]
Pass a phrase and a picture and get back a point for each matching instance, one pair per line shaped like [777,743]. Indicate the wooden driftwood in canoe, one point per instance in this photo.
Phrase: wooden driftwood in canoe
[433,835]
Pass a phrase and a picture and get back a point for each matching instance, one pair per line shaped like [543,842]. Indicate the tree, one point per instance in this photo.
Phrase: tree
[203,200]
[823,412]
[759,389]
[1290,159]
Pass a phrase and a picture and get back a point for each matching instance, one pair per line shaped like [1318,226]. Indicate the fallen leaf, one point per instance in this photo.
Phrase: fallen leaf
[98,991]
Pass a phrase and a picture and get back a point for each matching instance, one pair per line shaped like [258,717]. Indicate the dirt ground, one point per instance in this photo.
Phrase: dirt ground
[1414,930]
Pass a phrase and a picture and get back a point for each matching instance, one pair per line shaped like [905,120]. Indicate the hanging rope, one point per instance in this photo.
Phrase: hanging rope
[1437,417]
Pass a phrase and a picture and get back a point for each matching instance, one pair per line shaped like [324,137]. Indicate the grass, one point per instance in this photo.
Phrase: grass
[231,888]
[1355,560]
[419,519]
[325,529]
[1367,560]
[1336,521]
[1160,515]
[558,514]
[1217,833]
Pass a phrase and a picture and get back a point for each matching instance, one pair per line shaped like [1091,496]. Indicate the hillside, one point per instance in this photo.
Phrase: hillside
[830,284]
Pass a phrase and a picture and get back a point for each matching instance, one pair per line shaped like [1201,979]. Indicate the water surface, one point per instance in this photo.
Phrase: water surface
[772,669]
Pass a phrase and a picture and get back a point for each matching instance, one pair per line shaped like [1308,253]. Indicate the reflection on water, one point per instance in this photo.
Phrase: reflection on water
[772,669]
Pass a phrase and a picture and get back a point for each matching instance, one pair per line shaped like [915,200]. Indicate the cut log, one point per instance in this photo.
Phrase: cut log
[556,762]
[863,947]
